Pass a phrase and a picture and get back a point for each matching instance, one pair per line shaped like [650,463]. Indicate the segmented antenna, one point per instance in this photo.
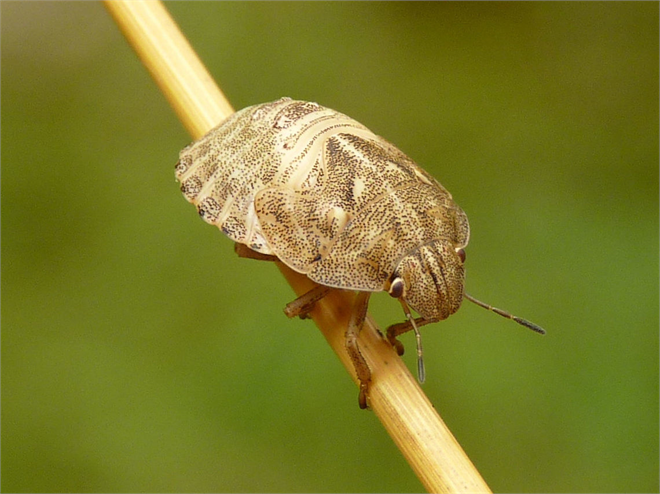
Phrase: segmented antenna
[519,320]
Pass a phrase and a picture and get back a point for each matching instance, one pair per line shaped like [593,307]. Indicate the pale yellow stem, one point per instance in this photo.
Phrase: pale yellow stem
[394,395]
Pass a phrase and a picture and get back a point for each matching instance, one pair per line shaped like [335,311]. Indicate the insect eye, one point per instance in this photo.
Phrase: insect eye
[461,254]
[396,288]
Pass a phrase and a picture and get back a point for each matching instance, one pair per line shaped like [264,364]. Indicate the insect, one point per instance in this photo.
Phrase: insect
[308,186]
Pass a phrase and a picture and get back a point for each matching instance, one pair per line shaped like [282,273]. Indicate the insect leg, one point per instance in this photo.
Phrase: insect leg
[352,332]
[243,250]
[303,305]
[403,327]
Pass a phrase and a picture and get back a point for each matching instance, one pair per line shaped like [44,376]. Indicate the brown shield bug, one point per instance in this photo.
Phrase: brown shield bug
[313,188]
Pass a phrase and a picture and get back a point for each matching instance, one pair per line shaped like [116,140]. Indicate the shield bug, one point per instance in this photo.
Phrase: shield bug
[308,186]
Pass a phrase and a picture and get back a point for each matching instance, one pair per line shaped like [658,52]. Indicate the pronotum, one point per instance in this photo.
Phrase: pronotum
[308,186]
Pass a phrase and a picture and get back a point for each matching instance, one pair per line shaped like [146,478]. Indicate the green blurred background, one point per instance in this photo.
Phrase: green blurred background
[139,354]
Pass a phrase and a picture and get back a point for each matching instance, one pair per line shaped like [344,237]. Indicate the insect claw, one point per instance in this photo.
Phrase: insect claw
[362,398]
[398,346]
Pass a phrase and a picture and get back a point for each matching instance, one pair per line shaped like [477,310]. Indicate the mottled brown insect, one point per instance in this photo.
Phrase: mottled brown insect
[332,200]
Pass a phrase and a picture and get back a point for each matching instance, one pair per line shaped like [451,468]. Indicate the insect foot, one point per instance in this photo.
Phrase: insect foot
[396,329]
[304,304]
[313,188]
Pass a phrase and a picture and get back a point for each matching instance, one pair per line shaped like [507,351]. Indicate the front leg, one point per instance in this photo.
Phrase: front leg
[403,327]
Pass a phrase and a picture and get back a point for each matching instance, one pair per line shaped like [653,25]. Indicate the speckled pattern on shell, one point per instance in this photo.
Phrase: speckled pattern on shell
[331,200]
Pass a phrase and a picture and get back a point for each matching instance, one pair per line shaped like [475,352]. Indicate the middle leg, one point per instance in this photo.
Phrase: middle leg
[355,324]
[403,327]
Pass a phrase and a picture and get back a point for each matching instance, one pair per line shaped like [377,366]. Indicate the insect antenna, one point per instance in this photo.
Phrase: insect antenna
[519,320]
[421,371]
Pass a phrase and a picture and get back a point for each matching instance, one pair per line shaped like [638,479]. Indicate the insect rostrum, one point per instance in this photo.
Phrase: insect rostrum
[334,201]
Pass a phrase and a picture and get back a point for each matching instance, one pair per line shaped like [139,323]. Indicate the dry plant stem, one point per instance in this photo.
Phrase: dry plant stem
[394,395]
[171,61]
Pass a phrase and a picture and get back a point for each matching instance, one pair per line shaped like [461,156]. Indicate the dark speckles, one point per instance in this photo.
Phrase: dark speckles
[191,187]
[292,112]
[182,165]
[209,210]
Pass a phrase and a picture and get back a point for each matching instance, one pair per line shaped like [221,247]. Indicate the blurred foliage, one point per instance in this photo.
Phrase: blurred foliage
[139,354]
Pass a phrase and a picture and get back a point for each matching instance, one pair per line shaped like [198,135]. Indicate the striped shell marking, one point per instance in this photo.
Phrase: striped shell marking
[331,200]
